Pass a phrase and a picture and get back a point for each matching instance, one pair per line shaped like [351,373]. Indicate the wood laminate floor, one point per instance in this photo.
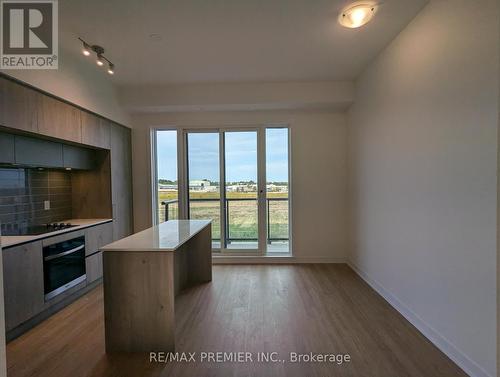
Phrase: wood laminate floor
[262,308]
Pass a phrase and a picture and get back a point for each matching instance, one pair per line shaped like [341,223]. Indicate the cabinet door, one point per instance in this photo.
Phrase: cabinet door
[58,119]
[7,148]
[23,283]
[18,106]
[121,181]
[37,152]
[93,267]
[98,236]
[95,131]
[78,158]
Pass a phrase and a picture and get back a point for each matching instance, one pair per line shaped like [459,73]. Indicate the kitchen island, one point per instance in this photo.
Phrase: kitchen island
[142,275]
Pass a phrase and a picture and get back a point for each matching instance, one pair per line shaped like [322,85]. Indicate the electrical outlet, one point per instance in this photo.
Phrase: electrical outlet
[46,204]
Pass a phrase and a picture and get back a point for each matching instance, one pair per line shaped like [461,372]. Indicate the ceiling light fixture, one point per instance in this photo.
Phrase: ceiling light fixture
[357,15]
[86,49]
[100,58]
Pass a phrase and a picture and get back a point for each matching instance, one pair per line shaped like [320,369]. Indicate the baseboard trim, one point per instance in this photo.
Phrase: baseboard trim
[285,259]
[458,357]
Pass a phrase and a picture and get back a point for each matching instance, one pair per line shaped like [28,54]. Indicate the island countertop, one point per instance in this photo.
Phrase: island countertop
[167,236]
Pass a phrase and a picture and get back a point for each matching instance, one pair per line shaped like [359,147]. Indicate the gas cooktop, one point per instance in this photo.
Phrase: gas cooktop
[35,230]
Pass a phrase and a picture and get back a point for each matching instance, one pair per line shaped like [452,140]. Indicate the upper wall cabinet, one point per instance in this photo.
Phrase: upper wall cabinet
[18,106]
[96,131]
[58,119]
[78,157]
[35,152]
[7,155]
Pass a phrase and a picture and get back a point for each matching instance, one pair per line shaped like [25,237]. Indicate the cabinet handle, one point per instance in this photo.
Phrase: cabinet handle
[50,257]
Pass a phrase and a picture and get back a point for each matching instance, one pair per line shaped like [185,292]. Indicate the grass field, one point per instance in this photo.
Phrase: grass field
[242,214]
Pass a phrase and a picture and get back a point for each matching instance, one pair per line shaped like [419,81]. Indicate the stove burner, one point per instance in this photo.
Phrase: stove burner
[58,226]
[33,230]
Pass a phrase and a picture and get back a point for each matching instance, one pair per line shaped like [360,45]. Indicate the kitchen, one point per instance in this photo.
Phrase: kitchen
[65,192]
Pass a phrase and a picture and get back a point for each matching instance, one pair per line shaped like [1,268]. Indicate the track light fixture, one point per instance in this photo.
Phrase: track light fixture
[100,58]
[86,49]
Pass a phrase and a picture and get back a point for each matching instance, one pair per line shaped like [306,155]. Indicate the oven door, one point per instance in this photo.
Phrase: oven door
[63,266]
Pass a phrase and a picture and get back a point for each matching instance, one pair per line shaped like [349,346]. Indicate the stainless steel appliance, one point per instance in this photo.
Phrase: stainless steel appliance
[63,266]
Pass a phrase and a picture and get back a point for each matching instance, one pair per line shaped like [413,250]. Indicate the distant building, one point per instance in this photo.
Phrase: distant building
[200,185]
[169,187]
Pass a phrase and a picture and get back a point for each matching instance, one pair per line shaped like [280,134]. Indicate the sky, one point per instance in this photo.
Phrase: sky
[241,155]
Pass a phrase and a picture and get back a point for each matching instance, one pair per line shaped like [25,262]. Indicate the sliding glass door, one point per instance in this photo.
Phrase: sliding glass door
[203,184]
[238,178]
[223,185]
[241,195]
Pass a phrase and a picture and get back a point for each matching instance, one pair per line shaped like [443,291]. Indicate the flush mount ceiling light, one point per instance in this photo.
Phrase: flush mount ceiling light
[100,58]
[357,15]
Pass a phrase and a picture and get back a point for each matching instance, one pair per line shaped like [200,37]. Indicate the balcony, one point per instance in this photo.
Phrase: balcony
[241,214]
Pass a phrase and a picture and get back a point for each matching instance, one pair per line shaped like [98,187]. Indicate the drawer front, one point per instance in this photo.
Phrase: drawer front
[93,265]
[63,237]
[98,236]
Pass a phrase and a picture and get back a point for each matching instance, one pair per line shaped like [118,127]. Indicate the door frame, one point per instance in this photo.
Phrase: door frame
[183,176]
[261,186]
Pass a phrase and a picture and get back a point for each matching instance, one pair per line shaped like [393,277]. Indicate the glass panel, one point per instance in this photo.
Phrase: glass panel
[277,188]
[166,165]
[241,190]
[204,182]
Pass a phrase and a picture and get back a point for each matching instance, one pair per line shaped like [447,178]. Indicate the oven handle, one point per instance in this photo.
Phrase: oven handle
[50,257]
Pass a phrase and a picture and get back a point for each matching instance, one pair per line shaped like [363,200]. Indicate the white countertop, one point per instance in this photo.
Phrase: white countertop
[7,241]
[167,236]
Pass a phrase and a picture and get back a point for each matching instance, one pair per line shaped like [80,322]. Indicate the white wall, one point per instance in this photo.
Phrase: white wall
[423,164]
[78,81]
[318,172]
[238,96]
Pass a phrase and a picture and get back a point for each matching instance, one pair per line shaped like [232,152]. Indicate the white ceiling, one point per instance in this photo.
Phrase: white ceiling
[230,40]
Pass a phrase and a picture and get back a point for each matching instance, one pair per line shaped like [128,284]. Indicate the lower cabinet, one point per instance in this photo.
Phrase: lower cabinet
[95,238]
[98,236]
[23,283]
[93,265]
[24,276]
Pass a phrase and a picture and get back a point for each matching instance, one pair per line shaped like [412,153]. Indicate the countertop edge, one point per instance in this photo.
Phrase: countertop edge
[39,237]
[151,249]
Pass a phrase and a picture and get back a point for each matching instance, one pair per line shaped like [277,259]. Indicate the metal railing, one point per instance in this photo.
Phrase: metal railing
[170,210]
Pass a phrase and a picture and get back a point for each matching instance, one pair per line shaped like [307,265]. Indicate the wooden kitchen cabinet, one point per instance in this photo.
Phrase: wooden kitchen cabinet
[37,152]
[23,283]
[59,119]
[7,155]
[78,157]
[121,181]
[96,131]
[93,267]
[98,236]
[18,106]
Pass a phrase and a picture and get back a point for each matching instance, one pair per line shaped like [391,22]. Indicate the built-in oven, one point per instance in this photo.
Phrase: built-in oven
[63,266]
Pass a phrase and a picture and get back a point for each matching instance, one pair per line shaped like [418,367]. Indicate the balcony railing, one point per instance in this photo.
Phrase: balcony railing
[277,209]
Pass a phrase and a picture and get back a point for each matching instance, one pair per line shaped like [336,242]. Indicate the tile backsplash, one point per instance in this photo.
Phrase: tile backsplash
[24,191]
